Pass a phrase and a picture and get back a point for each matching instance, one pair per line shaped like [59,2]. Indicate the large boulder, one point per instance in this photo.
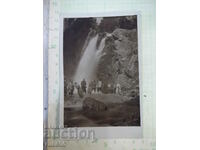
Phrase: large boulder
[93,104]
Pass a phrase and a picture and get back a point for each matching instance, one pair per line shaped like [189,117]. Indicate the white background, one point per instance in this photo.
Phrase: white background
[178,75]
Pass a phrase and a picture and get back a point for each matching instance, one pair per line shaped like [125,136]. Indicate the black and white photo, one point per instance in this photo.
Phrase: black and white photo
[101,72]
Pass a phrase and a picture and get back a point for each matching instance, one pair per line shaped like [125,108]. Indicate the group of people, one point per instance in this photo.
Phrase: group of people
[73,87]
[94,87]
[114,88]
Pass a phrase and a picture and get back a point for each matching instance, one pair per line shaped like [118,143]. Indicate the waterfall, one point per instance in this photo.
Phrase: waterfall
[100,49]
[89,60]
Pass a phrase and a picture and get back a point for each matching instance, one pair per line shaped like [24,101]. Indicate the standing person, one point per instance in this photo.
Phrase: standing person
[94,86]
[99,86]
[80,91]
[118,88]
[90,88]
[109,88]
[75,87]
[66,88]
[83,85]
[71,88]
[114,88]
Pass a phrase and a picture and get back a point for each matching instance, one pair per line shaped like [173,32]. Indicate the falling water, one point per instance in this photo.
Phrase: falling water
[89,60]
[100,49]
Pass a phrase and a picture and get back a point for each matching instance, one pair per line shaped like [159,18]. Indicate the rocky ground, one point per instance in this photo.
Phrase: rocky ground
[121,112]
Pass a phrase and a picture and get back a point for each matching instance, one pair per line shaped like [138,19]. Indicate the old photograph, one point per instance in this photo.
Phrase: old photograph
[101,72]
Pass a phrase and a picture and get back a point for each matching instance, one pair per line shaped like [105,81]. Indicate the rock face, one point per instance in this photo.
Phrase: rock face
[94,105]
[109,24]
[119,63]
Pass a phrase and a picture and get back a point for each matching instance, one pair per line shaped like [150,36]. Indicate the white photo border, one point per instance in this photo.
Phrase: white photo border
[102,132]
